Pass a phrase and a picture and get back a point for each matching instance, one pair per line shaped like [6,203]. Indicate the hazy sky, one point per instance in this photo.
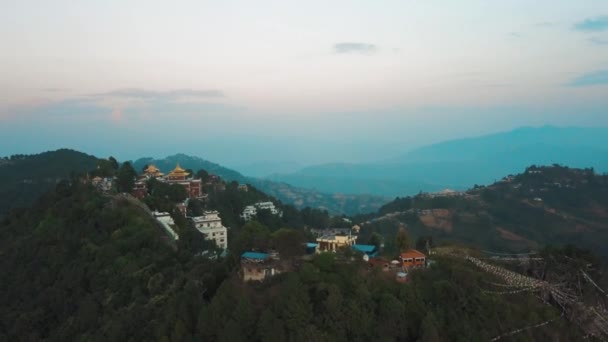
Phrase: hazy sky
[310,81]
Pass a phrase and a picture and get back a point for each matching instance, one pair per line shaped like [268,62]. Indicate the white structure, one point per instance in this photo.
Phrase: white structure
[167,222]
[210,225]
[252,210]
[249,212]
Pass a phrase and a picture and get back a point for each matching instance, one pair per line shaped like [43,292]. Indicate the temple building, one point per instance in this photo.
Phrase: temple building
[152,172]
[180,176]
[140,189]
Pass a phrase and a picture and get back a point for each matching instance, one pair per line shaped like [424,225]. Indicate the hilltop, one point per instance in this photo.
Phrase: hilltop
[336,203]
[23,178]
[541,206]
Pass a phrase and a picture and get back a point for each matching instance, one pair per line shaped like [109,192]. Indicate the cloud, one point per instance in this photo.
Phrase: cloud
[546,24]
[515,35]
[593,24]
[355,48]
[55,90]
[599,40]
[599,77]
[143,94]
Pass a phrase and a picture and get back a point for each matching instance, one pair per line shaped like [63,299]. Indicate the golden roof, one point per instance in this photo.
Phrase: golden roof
[178,171]
[152,169]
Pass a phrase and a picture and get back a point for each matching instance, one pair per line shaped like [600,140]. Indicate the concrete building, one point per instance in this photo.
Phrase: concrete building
[412,258]
[333,243]
[257,266]
[252,210]
[210,225]
[249,212]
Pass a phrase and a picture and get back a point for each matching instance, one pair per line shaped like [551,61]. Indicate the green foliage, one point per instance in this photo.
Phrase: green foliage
[24,178]
[125,178]
[78,266]
[402,240]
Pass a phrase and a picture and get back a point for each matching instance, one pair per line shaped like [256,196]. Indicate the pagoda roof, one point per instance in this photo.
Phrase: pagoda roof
[178,171]
[152,169]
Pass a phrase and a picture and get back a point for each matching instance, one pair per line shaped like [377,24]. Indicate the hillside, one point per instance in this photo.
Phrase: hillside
[23,178]
[459,164]
[543,205]
[300,197]
[81,266]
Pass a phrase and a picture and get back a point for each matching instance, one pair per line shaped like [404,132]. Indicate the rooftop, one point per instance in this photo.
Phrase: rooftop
[412,253]
[365,248]
[255,255]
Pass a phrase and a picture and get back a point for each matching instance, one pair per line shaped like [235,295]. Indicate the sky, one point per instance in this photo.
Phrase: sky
[241,82]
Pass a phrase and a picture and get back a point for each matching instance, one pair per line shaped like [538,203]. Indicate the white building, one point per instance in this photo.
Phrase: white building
[210,225]
[249,212]
[167,222]
[252,210]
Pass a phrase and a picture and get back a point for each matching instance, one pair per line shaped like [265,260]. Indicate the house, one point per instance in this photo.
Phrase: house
[256,266]
[412,258]
[210,225]
[370,250]
[249,212]
[333,242]
[252,210]
[243,187]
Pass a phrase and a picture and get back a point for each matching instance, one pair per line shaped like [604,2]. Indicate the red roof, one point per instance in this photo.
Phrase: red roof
[412,253]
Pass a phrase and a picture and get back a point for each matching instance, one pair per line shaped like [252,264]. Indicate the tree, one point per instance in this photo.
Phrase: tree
[202,175]
[288,242]
[126,177]
[113,163]
[402,241]
[376,240]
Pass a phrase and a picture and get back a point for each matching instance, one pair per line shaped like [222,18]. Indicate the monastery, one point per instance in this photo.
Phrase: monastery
[193,187]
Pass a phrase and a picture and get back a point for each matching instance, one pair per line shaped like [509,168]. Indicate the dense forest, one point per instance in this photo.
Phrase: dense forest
[82,266]
[24,178]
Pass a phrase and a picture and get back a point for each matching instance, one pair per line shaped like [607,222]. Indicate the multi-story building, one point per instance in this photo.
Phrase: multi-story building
[252,210]
[256,266]
[193,187]
[249,212]
[210,225]
[333,242]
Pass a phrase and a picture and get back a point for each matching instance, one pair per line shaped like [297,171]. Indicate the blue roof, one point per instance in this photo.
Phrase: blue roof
[255,255]
[311,245]
[365,248]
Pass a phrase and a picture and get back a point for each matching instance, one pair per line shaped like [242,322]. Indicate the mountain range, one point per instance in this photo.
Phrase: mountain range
[459,164]
[298,196]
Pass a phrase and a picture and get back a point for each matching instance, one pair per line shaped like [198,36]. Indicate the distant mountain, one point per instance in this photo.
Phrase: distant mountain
[542,206]
[298,196]
[461,163]
[24,178]
[267,167]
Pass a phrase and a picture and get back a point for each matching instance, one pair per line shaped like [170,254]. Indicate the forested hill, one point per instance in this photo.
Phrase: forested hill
[23,178]
[541,206]
[82,266]
[299,197]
